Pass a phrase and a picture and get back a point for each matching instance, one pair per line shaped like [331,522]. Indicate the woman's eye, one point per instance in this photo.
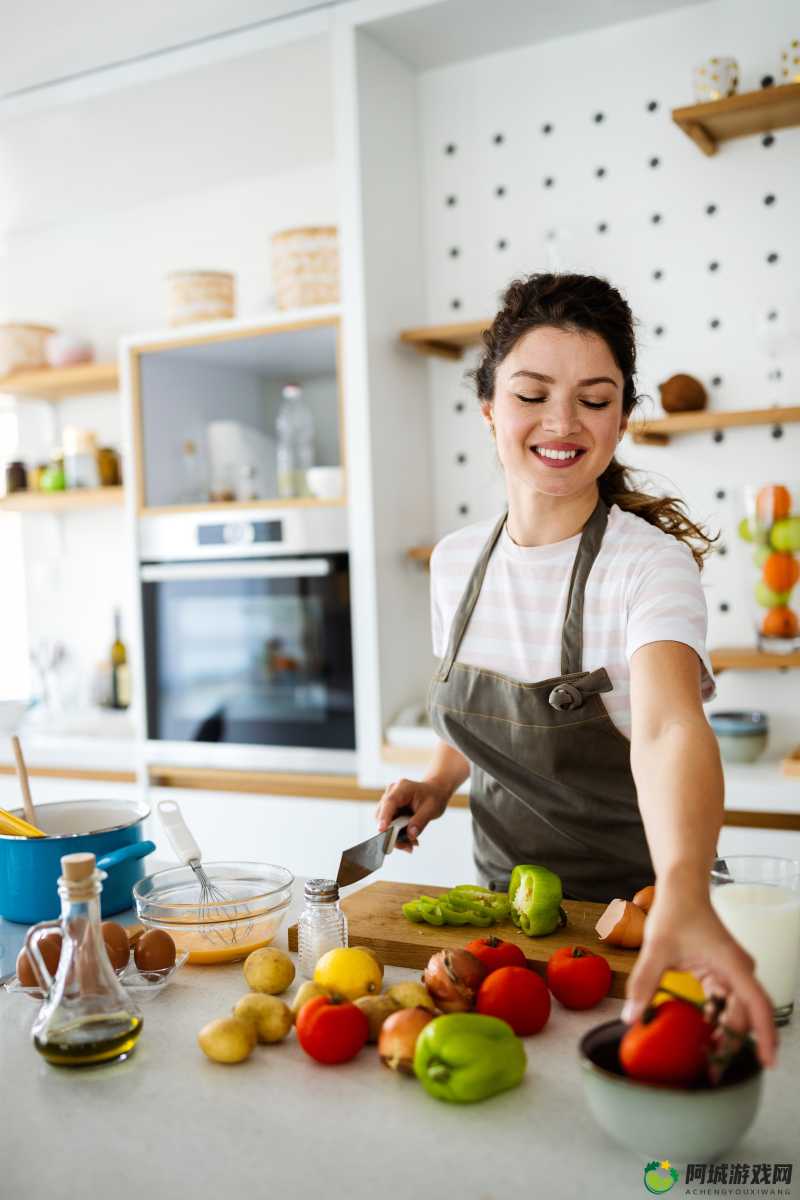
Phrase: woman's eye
[596,403]
[530,399]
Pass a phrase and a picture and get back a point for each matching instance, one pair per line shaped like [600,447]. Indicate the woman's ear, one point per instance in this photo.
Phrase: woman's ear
[487,412]
[623,425]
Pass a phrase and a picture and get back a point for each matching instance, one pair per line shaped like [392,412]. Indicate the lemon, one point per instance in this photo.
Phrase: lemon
[682,984]
[351,973]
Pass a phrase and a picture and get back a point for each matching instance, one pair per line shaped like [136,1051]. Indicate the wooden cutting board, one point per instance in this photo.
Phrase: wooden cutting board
[375,920]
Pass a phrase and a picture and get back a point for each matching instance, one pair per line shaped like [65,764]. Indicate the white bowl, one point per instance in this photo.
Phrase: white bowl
[326,483]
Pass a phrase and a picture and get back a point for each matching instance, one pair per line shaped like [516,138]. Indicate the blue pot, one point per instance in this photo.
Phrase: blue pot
[30,867]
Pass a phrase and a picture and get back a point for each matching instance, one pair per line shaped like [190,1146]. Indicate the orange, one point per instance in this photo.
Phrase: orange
[780,622]
[780,572]
[773,503]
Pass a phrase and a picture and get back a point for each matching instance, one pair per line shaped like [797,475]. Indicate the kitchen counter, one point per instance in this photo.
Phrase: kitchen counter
[168,1122]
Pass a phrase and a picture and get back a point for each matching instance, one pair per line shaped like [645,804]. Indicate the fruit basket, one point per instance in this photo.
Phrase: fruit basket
[769,534]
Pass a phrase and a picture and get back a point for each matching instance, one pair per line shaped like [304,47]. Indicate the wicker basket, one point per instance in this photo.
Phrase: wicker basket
[200,296]
[305,266]
[22,347]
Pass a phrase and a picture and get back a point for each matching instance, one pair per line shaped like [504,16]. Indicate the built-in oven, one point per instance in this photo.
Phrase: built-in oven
[247,633]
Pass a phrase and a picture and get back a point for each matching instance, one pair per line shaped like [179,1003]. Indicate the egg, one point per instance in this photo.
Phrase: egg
[117,944]
[154,952]
[50,950]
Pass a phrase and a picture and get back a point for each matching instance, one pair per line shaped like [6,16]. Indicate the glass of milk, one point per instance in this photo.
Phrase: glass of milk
[758,900]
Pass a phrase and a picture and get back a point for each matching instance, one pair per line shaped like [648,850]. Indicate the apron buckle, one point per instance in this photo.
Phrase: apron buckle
[565,697]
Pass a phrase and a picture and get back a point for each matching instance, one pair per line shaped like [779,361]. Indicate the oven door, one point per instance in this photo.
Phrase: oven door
[254,652]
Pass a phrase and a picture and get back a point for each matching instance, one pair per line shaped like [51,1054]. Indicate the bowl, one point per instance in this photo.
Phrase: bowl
[256,897]
[11,713]
[680,1124]
[326,483]
[742,735]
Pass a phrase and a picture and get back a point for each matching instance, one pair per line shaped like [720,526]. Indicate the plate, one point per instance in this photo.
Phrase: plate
[133,981]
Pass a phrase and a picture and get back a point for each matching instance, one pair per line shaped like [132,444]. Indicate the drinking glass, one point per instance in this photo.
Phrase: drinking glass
[758,900]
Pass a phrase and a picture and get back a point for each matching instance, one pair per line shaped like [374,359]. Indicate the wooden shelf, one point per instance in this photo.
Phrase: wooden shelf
[262,783]
[56,383]
[658,432]
[239,505]
[740,116]
[743,658]
[445,341]
[66,501]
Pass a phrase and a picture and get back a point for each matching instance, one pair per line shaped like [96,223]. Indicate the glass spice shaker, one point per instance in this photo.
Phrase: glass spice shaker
[87,1016]
[322,925]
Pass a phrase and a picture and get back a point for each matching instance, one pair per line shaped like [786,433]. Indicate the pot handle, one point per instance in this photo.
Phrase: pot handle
[135,850]
[34,954]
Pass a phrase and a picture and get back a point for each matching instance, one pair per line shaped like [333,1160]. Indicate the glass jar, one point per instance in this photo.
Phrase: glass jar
[322,925]
[769,533]
[87,1016]
[16,477]
[80,458]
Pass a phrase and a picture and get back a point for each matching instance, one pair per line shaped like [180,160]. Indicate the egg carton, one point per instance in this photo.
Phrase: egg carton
[143,987]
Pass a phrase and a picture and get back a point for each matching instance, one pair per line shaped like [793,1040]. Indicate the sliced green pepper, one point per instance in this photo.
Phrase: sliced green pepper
[462,905]
[535,895]
[464,1057]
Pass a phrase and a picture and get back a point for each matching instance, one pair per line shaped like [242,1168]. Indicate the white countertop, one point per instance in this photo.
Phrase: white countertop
[170,1123]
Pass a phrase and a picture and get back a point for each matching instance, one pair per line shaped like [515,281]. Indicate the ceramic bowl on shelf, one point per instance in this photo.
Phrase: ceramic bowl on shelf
[742,736]
[679,1124]
[326,483]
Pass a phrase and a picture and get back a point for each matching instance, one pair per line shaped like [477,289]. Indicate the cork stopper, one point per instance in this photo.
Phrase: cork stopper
[77,867]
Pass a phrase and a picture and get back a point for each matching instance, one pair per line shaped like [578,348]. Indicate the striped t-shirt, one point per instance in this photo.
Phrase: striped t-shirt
[644,587]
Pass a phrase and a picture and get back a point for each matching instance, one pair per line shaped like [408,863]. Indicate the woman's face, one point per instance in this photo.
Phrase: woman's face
[557,411]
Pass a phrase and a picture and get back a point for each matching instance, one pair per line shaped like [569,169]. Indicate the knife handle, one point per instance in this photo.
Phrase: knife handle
[395,830]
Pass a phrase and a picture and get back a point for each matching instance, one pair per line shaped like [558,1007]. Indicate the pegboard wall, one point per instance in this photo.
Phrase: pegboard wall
[564,156]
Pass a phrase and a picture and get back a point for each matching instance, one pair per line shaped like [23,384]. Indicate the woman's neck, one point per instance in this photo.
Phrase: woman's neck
[535,519]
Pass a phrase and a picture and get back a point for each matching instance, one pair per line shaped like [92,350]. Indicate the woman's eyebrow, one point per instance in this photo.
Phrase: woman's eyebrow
[581,382]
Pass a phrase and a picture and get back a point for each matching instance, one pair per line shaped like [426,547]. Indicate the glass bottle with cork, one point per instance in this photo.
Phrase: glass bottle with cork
[87,1017]
[322,925]
[120,675]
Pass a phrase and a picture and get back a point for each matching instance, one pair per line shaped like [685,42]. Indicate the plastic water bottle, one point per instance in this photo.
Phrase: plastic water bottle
[295,430]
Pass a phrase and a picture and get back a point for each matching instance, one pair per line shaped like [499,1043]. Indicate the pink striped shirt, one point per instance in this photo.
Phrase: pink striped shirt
[644,587]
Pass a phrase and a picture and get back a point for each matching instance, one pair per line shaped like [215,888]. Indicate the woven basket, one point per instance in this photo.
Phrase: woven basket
[22,347]
[200,296]
[305,266]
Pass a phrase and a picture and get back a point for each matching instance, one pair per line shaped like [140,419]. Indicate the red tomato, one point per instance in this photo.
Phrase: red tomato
[516,995]
[578,977]
[330,1030]
[668,1045]
[493,952]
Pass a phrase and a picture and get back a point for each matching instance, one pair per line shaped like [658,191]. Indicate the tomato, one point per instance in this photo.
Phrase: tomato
[517,995]
[493,952]
[578,977]
[669,1045]
[331,1030]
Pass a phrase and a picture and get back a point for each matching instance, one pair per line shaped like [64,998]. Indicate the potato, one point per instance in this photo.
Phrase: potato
[411,995]
[268,970]
[227,1040]
[376,1009]
[307,991]
[271,1018]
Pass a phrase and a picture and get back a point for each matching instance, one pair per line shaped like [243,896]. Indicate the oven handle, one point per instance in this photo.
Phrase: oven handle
[280,568]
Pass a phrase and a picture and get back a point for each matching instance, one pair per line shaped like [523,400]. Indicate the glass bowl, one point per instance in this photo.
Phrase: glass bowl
[769,535]
[246,913]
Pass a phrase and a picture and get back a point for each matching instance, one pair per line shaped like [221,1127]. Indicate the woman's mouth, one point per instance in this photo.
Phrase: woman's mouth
[559,456]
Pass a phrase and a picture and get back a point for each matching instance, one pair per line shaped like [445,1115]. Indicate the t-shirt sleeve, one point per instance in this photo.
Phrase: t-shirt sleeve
[437,617]
[667,604]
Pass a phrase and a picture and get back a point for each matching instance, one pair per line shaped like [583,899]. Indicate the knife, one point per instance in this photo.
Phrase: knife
[361,860]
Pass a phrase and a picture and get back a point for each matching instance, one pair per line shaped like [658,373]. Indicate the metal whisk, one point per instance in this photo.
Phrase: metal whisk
[214,904]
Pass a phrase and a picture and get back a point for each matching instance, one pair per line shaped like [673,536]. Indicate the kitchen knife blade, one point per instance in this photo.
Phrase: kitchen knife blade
[361,860]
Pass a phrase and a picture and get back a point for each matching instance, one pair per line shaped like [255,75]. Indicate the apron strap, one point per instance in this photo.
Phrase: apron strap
[572,629]
[468,600]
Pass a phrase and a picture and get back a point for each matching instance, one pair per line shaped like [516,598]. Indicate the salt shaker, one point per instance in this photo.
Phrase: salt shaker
[322,925]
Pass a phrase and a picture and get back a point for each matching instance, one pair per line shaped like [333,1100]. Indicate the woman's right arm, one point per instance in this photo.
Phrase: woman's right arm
[427,798]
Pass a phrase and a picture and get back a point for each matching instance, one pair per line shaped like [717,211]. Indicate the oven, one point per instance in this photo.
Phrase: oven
[247,634]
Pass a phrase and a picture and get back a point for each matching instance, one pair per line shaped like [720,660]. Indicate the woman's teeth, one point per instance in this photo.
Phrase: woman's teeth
[555,453]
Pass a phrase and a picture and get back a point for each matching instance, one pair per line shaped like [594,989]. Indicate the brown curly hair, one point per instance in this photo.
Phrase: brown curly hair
[587,303]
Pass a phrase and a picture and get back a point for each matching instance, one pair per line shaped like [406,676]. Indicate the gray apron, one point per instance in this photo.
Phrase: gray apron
[551,779]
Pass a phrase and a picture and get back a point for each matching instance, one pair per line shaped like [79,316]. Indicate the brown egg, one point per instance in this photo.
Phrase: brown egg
[154,951]
[117,944]
[50,950]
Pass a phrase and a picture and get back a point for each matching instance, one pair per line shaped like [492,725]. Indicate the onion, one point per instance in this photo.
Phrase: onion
[398,1038]
[644,898]
[622,924]
[453,977]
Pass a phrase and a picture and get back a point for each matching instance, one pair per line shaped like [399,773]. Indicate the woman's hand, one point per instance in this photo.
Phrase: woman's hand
[683,933]
[427,801]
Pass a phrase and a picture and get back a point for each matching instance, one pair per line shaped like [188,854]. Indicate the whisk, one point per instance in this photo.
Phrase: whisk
[215,905]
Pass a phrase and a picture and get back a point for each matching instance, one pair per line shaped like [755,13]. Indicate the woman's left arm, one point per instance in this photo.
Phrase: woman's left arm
[679,782]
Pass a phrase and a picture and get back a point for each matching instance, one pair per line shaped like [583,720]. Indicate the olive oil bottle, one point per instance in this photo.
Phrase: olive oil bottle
[120,676]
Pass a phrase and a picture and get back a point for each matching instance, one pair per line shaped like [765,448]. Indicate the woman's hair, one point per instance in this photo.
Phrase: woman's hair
[586,303]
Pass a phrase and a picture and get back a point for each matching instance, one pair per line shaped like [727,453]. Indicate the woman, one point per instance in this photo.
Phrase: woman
[584,589]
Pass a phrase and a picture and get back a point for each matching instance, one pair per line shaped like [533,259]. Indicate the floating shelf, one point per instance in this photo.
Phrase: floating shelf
[56,383]
[445,341]
[744,658]
[239,505]
[740,116]
[658,432]
[67,501]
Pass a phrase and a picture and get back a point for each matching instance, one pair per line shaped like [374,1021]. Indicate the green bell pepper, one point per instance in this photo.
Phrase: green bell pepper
[535,895]
[464,1057]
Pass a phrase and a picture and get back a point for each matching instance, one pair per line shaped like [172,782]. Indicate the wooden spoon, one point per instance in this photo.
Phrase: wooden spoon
[22,775]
